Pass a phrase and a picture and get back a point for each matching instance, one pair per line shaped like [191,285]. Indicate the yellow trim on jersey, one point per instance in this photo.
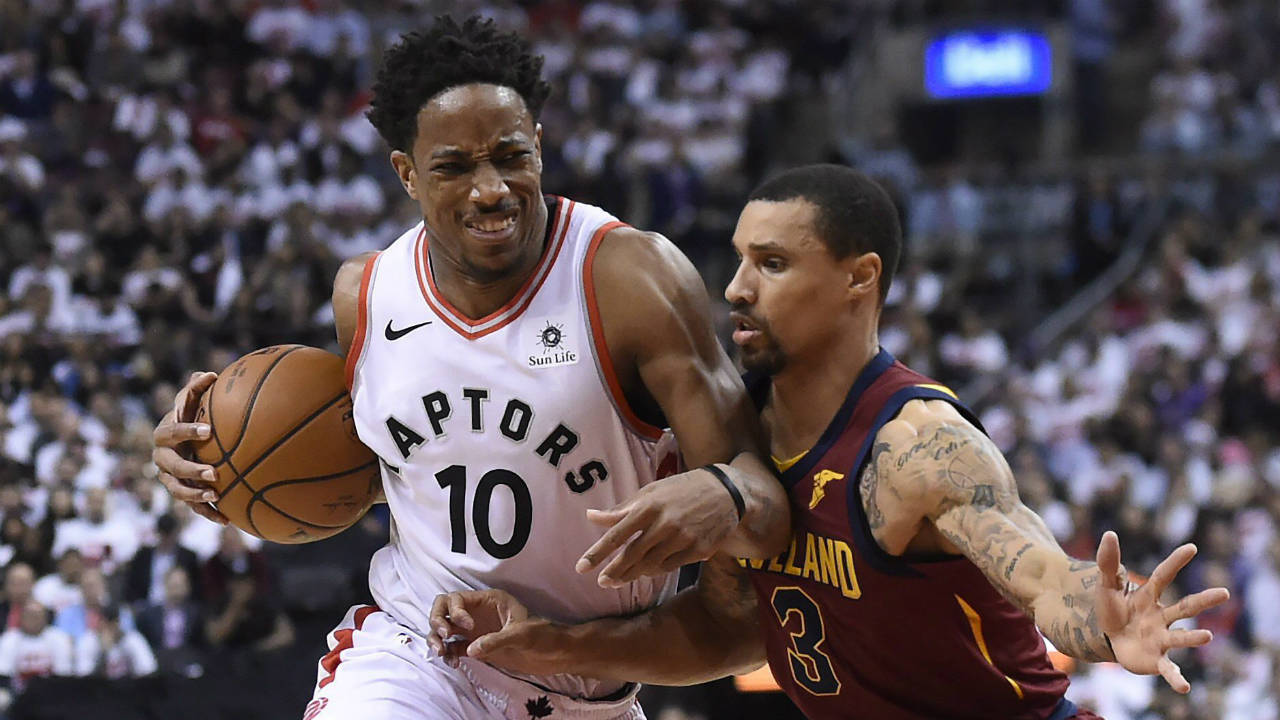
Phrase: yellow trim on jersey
[940,388]
[785,465]
[975,624]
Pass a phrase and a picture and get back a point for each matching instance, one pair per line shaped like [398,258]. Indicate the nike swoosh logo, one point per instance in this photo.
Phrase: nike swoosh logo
[393,334]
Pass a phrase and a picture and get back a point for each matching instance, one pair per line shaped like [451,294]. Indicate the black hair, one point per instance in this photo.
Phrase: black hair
[854,214]
[424,64]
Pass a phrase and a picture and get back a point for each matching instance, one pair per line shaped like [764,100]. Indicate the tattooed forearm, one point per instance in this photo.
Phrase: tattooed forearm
[1008,569]
[975,505]
[1072,624]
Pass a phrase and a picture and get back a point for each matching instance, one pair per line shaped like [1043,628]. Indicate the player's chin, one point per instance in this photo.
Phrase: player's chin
[768,360]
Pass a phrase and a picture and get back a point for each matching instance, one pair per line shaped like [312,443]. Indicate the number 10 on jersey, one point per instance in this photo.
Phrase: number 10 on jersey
[454,479]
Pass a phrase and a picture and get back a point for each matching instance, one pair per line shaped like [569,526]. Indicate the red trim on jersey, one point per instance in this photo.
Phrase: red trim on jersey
[362,323]
[651,432]
[523,297]
[333,658]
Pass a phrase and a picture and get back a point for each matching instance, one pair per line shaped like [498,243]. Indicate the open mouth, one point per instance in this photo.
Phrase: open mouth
[744,330]
[493,227]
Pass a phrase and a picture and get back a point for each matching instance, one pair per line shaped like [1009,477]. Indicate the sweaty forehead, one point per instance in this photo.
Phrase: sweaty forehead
[787,224]
[473,117]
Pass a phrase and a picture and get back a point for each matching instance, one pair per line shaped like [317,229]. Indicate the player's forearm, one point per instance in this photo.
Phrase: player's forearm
[765,529]
[678,643]
[1065,609]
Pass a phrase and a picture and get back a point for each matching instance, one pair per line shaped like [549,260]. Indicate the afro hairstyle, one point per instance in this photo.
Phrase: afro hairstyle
[424,64]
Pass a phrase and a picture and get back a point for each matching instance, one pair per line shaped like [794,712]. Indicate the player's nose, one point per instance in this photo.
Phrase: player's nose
[488,188]
[739,291]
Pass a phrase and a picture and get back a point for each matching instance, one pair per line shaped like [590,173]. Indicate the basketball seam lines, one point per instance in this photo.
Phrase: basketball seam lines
[258,496]
[253,398]
[240,475]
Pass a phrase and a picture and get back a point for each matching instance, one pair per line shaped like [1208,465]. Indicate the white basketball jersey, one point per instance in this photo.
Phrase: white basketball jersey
[497,434]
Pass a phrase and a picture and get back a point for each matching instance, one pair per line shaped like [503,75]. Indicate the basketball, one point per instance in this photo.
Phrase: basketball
[289,466]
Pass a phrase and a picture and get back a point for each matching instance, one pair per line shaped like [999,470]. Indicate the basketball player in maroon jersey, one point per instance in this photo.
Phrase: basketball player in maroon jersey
[917,584]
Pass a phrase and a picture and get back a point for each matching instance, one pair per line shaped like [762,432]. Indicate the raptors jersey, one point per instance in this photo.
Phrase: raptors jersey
[497,434]
[853,632]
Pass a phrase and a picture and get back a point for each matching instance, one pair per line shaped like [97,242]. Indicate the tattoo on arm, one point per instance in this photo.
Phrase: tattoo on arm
[870,485]
[975,505]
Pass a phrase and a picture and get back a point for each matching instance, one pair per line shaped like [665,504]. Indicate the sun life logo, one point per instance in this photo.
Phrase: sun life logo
[550,336]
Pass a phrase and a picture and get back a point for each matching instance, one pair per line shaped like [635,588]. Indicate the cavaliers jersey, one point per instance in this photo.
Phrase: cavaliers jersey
[853,632]
[497,434]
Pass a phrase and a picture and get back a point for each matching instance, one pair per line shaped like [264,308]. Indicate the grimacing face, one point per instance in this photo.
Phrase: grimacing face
[476,172]
[788,288]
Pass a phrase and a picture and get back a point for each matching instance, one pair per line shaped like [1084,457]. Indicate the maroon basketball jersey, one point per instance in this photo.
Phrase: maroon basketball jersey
[853,632]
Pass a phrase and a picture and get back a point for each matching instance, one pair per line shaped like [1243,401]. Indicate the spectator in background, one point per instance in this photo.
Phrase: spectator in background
[175,626]
[113,652]
[975,349]
[59,507]
[1097,228]
[146,578]
[27,93]
[1093,37]
[88,615]
[103,541]
[1262,600]
[21,173]
[243,612]
[34,648]
[61,589]
[19,579]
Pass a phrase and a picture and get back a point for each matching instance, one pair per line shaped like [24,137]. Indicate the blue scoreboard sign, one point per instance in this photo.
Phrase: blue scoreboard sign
[987,63]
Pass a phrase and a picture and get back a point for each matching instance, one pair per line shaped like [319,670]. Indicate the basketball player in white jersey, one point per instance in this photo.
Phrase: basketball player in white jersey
[513,361]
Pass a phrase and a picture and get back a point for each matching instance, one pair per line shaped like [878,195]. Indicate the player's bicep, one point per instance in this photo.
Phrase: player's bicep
[662,313]
[967,491]
[346,299]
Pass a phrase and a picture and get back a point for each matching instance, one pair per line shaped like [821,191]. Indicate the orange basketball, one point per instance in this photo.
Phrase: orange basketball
[289,466]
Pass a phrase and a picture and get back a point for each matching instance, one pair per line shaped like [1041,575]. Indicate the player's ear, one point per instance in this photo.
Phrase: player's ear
[537,141]
[405,170]
[864,275]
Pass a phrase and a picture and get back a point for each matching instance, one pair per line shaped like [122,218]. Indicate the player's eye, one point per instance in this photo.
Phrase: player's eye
[452,168]
[515,157]
[773,264]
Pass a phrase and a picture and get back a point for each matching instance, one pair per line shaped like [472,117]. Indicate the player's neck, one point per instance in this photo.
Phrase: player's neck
[477,297]
[807,394]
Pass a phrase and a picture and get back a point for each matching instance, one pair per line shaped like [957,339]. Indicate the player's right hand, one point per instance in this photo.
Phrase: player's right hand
[187,481]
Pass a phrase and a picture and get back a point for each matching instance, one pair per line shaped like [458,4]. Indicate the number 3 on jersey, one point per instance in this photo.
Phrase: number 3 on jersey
[454,479]
[810,667]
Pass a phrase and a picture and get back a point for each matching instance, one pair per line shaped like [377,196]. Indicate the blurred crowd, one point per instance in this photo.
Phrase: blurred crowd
[1218,86]
[179,180]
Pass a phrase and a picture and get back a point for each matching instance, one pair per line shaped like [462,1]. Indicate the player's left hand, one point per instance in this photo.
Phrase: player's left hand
[1135,621]
[670,523]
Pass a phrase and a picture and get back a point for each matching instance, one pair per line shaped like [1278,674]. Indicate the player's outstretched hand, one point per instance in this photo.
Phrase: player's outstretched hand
[493,626]
[669,523]
[186,481]
[1135,621]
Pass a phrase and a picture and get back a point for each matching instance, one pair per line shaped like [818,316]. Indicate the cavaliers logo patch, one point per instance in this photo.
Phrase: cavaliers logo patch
[820,481]
[552,346]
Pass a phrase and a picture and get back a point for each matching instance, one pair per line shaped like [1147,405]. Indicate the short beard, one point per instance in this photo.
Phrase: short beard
[770,361]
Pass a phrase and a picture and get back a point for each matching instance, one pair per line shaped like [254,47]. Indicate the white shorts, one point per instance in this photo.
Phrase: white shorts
[378,668]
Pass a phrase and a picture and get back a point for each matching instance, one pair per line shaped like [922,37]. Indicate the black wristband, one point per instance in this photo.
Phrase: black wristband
[738,503]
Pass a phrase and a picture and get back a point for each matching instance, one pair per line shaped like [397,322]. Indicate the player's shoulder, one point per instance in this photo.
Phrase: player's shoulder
[639,253]
[647,292]
[925,430]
